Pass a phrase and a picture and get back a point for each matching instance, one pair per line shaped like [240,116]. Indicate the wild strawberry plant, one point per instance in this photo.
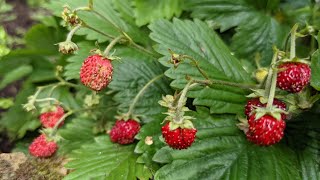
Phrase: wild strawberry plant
[173,89]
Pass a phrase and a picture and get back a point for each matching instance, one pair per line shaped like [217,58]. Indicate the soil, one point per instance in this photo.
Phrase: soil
[22,21]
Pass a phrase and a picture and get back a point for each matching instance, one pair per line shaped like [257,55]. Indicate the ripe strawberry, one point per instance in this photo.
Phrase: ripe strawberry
[123,132]
[255,102]
[178,138]
[41,147]
[49,119]
[96,72]
[266,130]
[294,76]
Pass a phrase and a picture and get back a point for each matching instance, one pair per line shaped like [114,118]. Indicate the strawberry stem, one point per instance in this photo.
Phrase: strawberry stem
[209,82]
[136,98]
[270,73]
[273,74]
[293,42]
[71,33]
[111,44]
[181,102]
[204,74]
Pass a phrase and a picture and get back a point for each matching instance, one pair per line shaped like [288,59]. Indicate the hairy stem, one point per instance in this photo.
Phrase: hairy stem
[269,77]
[111,44]
[71,33]
[293,41]
[178,117]
[271,86]
[209,82]
[136,98]
[204,74]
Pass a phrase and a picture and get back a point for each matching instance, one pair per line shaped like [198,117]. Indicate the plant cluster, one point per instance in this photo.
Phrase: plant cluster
[135,95]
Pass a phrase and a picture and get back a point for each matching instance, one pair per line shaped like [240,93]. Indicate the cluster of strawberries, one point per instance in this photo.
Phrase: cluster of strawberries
[96,73]
[267,130]
[44,146]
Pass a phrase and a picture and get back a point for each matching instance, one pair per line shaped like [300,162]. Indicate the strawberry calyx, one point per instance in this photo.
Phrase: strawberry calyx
[186,124]
[273,111]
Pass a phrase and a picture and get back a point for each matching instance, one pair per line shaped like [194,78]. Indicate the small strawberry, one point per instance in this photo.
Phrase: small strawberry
[293,76]
[41,147]
[266,130]
[96,72]
[255,102]
[123,132]
[179,138]
[49,119]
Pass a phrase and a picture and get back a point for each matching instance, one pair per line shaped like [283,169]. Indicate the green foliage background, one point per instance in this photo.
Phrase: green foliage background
[223,35]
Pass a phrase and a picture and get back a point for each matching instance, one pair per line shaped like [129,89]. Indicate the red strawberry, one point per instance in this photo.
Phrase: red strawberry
[96,72]
[266,130]
[293,76]
[41,147]
[251,103]
[123,132]
[49,119]
[178,138]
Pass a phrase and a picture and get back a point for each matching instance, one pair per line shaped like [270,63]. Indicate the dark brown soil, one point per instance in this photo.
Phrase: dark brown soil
[22,21]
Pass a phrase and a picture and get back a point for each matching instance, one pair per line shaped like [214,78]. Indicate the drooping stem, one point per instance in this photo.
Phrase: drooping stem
[181,102]
[270,73]
[60,121]
[107,19]
[293,41]
[271,87]
[111,44]
[136,98]
[209,82]
[204,74]
[71,33]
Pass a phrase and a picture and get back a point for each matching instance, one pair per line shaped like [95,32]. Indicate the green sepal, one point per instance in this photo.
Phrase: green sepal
[173,126]
[187,124]
[276,115]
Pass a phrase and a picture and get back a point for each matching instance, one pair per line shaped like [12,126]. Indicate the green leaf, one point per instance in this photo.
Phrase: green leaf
[262,29]
[151,129]
[77,132]
[149,10]
[315,70]
[72,69]
[15,75]
[43,39]
[6,103]
[110,22]
[264,32]
[197,40]
[105,160]
[136,73]
[222,152]
[16,120]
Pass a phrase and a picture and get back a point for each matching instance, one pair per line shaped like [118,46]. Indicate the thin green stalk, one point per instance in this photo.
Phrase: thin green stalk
[71,33]
[111,44]
[136,98]
[269,77]
[271,86]
[293,42]
[178,117]
[203,73]
[209,82]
